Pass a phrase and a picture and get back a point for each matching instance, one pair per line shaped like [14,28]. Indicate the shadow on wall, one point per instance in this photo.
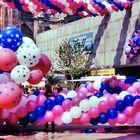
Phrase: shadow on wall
[98,37]
[26,31]
[136,59]
[123,36]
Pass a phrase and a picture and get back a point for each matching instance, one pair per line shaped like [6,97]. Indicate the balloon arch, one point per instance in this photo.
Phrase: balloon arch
[70,7]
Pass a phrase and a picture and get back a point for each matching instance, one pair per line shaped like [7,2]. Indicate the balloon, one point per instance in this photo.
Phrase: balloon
[42,121]
[132,90]
[49,116]
[66,117]
[85,118]
[21,112]
[120,105]
[12,119]
[32,98]
[32,117]
[82,95]
[75,112]
[98,94]
[94,101]
[30,106]
[23,121]
[44,64]
[20,74]
[40,111]
[36,92]
[8,59]
[58,120]
[111,101]
[122,118]
[5,114]
[137,104]
[103,118]
[94,121]
[71,94]
[84,105]
[93,112]
[40,100]
[103,106]
[112,121]
[97,84]
[35,77]
[136,85]
[130,80]
[23,101]
[137,118]
[28,55]
[49,104]
[28,40]
[11,38]
[129,100]
[57,110]
[4,78]
[130,111]
[59,99]
[112,113]
[123,94]
[76,100]
[67,104]
[130,121]
[83,89]
[10,95]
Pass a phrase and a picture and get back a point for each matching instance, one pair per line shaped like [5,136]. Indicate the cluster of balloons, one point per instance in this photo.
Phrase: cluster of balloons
[134,45]
[83,106]
[20,61]
[70,7]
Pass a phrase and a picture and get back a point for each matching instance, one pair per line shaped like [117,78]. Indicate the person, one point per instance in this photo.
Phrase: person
[49,93]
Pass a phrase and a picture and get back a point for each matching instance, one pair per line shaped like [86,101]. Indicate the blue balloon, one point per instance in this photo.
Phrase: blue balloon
[103,118]
[112,113]
[23,121]
[36,92]
[130,80]
[90,130]
[118,89]
[94,121]
[136,97]
[129,100]
[40,111]
[11,38]
[59,99]
[32,117]
[49,104]
[98,94]
[104,85]
[120,105]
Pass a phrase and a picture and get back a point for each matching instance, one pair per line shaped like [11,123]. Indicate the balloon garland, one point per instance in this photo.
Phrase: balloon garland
[134,45]
[70,7]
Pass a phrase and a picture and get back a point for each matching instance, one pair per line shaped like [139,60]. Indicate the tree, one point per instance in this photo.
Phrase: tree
[72,59]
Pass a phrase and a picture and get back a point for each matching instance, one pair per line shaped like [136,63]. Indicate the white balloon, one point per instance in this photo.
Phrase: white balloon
[102,99]
[23,101]
[127,49]
[20,74]
[123,94]
[75,112]
[27,40]
[84,105]
[28,54]
[66,117]
[94,101]
[71,94]
[97,84]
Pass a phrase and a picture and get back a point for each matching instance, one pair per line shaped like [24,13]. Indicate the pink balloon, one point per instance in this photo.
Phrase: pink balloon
[12,119]
[130,111]
[30,106]
[107,95]
[83,90]
[126,86]
[58,120]
[89,87]
[76,100]
[82,95]
[10,95]
[41,99]
[112,121]
[21,112]
[113,83]
[121,84]
[132,90]
[67,104]
[49,116]
[137,118]
[137,105]
[122,118]
[111,101]
[103,106]
[5,114]
[57,110]
[136,85]
[85,118]
[35,77]
[93,112]
[130,121]
[8,59]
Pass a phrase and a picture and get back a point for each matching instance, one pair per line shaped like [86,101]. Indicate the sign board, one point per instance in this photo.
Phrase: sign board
[82,42]
[103,72]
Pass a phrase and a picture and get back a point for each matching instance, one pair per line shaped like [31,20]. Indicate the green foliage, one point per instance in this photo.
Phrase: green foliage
[73,62]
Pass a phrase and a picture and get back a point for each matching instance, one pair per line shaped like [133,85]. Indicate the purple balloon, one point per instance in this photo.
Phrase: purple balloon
[3,78]
[83,89]
[76,100]
[82,95]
